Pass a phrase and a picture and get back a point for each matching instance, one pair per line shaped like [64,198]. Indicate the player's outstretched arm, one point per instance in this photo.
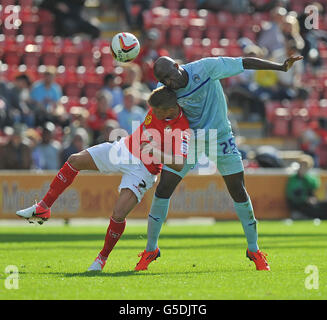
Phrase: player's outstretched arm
[261,64]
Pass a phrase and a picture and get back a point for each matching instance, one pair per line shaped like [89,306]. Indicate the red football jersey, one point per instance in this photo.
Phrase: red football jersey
[171,136]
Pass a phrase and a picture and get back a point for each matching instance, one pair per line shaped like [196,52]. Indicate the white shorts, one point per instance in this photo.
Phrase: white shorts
[115,157]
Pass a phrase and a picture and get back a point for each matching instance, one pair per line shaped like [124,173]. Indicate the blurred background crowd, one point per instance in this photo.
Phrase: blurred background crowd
[61,91]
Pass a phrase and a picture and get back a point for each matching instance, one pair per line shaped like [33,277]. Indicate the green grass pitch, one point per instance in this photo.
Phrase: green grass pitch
[197,262]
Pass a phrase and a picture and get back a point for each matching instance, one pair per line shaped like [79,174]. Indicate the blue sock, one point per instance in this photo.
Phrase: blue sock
[245,213]
[156,218]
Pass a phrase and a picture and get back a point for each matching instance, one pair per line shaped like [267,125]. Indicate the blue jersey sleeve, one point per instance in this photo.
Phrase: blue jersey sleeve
[222,67]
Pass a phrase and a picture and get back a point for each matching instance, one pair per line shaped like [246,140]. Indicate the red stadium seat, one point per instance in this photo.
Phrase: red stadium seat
[300,117]
[173,4]
[69,55]
[25,3]
[281,122]
[242,21]
[46,22]
[190,4]
[50,56]
[175,36]
[5,3]
[321,152]
[213,33]
[91,88]
[12,56]
[88,60]
[270,109]
[225,19]
[31,55]
[191,47]
[73,89]
[211,20]
[195,32]
[29,27]
[231,33]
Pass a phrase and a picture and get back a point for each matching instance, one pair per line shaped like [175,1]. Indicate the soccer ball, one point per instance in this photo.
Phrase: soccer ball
[124,47]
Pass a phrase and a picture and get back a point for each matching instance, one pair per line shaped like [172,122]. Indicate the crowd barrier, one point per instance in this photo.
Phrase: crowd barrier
[94,195]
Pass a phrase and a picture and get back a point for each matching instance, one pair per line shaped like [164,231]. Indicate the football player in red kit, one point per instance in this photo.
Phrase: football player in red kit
[162,138]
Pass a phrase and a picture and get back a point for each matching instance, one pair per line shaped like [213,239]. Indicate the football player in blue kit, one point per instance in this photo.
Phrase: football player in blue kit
[202,98]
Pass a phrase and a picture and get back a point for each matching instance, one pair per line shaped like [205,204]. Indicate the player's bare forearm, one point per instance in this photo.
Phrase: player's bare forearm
[261,64]
[172,161]
[175,162]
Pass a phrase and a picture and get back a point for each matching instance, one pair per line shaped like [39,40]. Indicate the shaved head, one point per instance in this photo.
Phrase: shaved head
[168,72]
[162,65]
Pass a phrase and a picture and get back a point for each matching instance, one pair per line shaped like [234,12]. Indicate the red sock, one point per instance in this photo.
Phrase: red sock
[114,231]
[62,180]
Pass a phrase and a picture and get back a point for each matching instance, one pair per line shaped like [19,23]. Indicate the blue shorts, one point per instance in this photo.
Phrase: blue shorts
[223,153]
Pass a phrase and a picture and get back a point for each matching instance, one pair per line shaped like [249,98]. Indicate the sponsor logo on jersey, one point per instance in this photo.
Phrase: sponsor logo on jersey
[196,78]
[148,119]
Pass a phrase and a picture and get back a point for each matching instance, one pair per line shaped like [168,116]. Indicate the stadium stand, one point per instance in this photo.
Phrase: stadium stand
[186,32]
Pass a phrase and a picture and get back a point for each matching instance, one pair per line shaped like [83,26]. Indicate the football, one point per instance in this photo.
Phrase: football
[124,47]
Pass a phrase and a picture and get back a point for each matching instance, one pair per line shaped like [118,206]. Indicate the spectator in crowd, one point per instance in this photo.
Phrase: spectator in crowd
[272,37]
[129,112]
[5,101]
[4,115]
[310,140]
[291,30]
[34,138]
[243,90]
[77,144]
[132,79]
[16,154]
[125,6]
[115,90]
[234,6]
[101,113]
[313,138]
[78,118]
[46,94]
[240,6]
[21,103]
[150,51]
[46,153]
[300,192]
[311,37]
[69,18]
[108,128]
[290,85]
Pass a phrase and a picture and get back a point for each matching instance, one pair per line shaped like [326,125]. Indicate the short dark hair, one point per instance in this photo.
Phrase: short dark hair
[163,97]
[108,77]
[24,77]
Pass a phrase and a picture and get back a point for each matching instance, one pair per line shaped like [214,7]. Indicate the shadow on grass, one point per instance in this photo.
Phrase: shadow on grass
[70,237]
[92,274]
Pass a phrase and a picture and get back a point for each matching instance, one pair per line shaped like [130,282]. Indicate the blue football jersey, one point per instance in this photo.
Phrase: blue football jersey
[203,100]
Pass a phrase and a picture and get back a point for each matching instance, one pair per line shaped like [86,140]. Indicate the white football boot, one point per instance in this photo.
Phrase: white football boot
[98,264]
[34,214]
